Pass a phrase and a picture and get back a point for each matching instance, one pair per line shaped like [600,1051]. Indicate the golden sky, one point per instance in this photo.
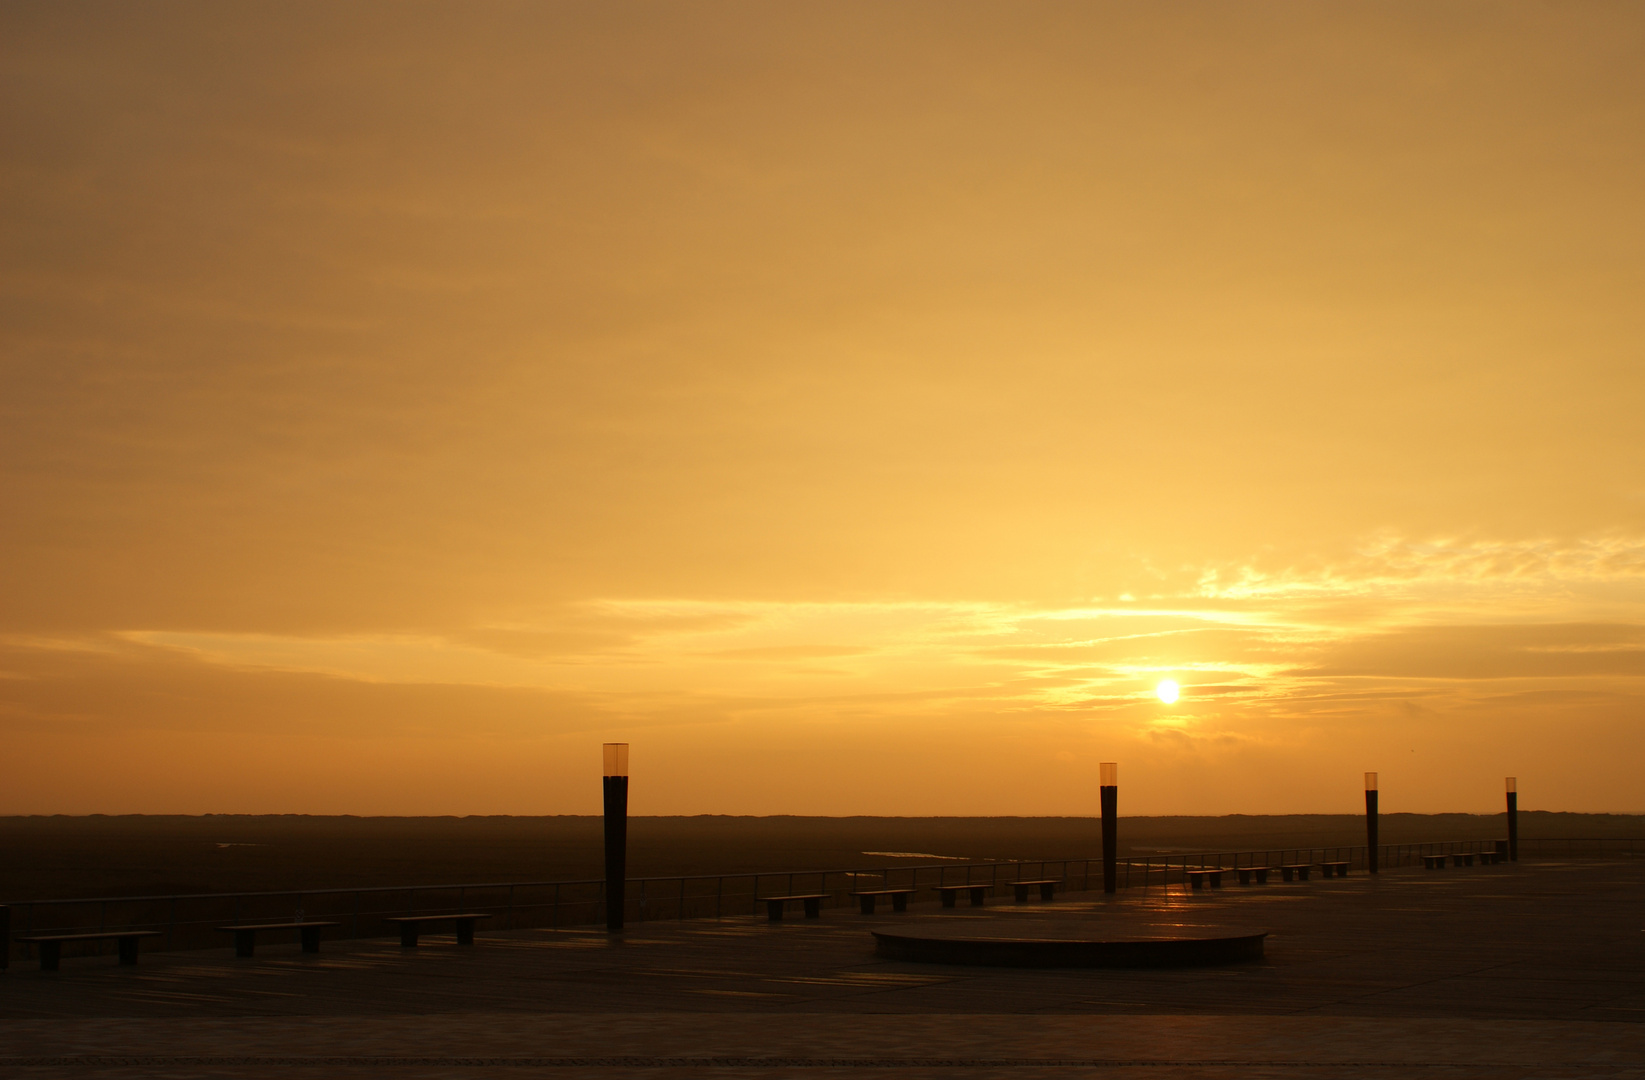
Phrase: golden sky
[858,408]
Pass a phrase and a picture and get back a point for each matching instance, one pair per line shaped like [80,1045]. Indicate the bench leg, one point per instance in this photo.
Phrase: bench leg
[774,910]
[1216,881]
[1285,874]
[1047,891]
[948,898]
[867,903]
[465,931]
[51,954]
[899,902]
[408,935]
[976,896]
[245,942]
[128,951]
[1021,892]
[813,908]
[1302,874]
[311,938]
[1196,882]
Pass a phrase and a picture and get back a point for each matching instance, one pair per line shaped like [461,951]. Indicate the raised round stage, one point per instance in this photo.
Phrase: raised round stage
[1073,941]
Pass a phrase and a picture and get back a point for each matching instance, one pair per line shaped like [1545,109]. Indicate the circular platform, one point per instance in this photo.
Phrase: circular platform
[1088,942]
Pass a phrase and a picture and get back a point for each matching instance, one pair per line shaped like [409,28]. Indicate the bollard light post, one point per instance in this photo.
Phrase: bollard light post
[616,832]
[1371,822]
[1110,814]
[1513,819]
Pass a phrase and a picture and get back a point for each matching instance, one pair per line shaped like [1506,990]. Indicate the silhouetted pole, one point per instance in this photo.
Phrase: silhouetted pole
[616,832]
[1513,819]
[1110,815]
[1371,822]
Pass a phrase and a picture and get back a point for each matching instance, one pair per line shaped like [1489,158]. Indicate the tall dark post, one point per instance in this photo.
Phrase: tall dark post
[1371,822]
[616,832]
[1513,819]
[1110,820]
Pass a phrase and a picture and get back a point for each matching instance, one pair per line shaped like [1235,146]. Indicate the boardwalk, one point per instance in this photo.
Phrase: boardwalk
[1528,970]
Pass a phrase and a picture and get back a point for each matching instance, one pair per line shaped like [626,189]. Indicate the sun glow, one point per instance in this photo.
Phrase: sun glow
[1167,691]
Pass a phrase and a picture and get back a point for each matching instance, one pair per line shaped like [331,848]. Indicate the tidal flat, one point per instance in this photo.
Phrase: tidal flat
[60,857]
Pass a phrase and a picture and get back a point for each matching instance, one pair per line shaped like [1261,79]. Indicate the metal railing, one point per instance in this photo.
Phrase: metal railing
[189,920]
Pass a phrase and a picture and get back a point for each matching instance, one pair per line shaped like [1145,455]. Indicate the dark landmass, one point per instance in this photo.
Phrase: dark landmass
[64,857]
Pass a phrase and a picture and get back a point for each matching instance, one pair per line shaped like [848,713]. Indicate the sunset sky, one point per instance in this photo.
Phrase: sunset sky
[857,408]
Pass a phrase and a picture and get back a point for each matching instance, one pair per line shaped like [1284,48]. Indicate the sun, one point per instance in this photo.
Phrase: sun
[1167,690]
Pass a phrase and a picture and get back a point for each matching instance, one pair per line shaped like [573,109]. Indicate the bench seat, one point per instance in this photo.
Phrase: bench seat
[411,926]
[774,905]
[1339,868]
[1433,862]
[1462,858]
[1046,886]
[1297,870]
[1246,873]
[867,897]
[950,892]
[51,945]
[245,936]
[1203,877]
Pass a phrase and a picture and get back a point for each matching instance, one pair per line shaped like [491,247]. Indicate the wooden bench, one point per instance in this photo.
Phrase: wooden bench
[1046,886]
[245,937]
[412,925]
[1462,858]
[949,892]
[1490,858]
[51,945]
[1433,862]
[774,905]
[1297,870]
[1246,873]
[1201,878]
[1340,869]
[899,898]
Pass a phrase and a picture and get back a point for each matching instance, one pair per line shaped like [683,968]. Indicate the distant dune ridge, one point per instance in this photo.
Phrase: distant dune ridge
[61,856]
